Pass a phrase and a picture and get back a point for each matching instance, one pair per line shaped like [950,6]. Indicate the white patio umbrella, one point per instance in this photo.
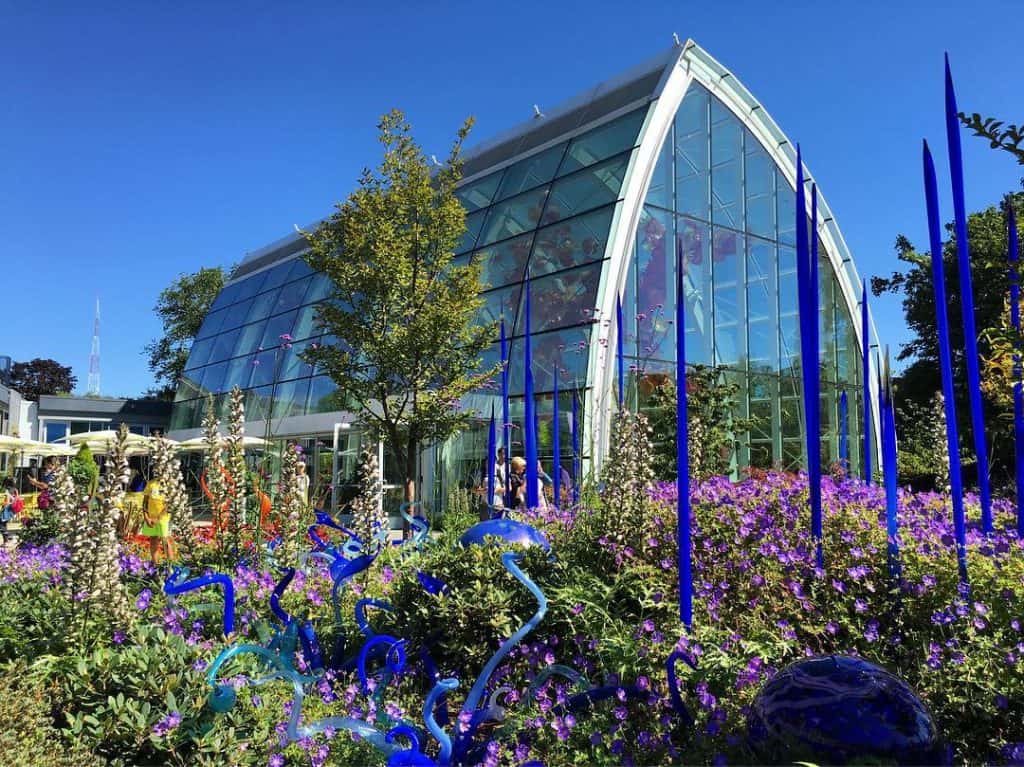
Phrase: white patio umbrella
[199,443]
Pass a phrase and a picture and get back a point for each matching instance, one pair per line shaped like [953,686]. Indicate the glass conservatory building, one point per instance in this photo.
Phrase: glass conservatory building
[670,166]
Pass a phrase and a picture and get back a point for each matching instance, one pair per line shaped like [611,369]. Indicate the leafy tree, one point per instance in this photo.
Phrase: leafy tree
[41,376]
[182,307]
[713,427]
[920,379]
[1009,139]
[405,317]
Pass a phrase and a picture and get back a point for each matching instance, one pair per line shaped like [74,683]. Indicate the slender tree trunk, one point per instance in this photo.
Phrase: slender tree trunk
[410,482]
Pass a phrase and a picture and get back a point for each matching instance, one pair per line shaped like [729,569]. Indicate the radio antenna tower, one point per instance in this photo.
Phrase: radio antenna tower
[94,356]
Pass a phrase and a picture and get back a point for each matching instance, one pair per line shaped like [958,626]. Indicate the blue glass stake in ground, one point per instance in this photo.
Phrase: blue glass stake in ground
[619,353]
[889,470]
[963,256]
[556,445]
[506,425]
[491,458]
[575,448]
[844,434]
[682,456]
[865,369]
[945,361]
[529,419]
[1013,254]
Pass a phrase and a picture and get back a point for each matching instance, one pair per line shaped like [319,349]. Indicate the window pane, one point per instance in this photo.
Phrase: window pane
[505,262]
[278,326]
[533,171]
[514,216]
[568,348]
[249,338]
[225,297]
[479,194]
[661,189]
[213,377]
[693,242]
[237,314]
[224,345]
[257,403]
[501,303]
[292,365]
[786,197]
[290,398]
[565,298]
[586,190]
[572,242]
[250,286]
[759,184]
[322,398]
[649,306]
[319,288]
[291,295]
[212,323]
[200,353]
[275,276]
[603,142]
[473,223]
[237,372]
[299,269]
[262,305]
[305,322]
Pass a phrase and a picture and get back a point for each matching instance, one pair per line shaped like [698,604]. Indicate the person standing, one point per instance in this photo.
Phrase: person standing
[8,497]
[302,480]
[156,522]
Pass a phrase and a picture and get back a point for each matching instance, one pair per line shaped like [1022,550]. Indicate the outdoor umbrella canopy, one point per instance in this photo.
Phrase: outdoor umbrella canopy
[199,443]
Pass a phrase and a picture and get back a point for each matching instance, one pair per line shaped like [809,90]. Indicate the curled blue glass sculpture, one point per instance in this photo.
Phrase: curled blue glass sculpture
[839,709]
[508,530]
[420,526]
[173,587]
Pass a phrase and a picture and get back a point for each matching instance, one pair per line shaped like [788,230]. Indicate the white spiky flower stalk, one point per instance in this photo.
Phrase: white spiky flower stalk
[214,462]
[292,507]
[235,444]
[167,469]
[367,512]
[628,474]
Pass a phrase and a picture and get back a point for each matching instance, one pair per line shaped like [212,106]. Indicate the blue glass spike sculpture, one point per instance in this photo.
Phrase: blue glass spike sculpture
[506,425]
[173,586]
[619,353]
[1013,249]
[840,710]
[683,532]
[492,451]
[963,257]
[576,463]
[529,417]
[508,530]
[556,445]
[844,434]
[889,470]
[956,491]
[865,363]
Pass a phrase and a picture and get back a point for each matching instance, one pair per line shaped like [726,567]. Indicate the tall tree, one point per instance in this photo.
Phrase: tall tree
[182,307]
[919,380]
[41,376]
[405,316]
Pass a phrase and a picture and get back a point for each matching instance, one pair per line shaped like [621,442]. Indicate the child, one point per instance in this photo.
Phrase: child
[8,495]
[156,523]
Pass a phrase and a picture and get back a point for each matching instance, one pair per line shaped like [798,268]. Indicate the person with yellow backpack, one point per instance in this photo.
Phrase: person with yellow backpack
[156,521]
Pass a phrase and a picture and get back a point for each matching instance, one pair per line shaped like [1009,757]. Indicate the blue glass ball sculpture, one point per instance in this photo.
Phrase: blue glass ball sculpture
[838,709]
[508,530]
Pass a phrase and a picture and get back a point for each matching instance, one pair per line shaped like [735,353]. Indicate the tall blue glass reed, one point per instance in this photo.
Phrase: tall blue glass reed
[945,361]
[1018,394]
[865,363]
[844,434]
[529,417]
[506,424]
[682,457]
[956,173]
[620,357]
[889,473]
[576,458]
[492,451]
[556,447]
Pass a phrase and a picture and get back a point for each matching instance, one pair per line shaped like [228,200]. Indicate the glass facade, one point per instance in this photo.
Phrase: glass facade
[719,209]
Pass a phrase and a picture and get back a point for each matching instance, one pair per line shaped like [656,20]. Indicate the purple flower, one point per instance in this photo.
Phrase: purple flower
[167,724]
[118,637]
[143,600]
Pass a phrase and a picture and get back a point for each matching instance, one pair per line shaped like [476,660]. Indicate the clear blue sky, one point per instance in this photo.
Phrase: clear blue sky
[142,140]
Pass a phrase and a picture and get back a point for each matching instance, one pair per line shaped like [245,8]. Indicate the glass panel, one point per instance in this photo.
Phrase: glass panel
[263,367]
[237,314]
[213,377]
[568,348]
[473,223]
[299,269]
[565,298]
[278,326]
[263,305]
[250,286]
[249,338]
[478,194]
[533,171]
[693,242]
[651,300]
[572,242]
[224,345]
[514,216]
[786,201]
[590,189]
[200,353]
[292,365]
[290,398]
[226,296]
[322,398]
[759,185]
[237,372]
[212,323]
[692,155]
[291,295]
[305,322]
[501,303]
[504,263]
[660,191]
[319,288]
[276,276]
[257,403]
[603,142]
